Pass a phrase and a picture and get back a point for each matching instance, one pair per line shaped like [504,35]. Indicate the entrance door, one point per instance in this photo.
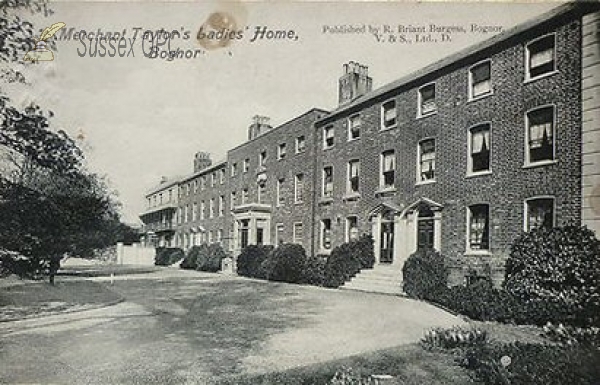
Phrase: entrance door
[425,229]
[386,254]
[425,234]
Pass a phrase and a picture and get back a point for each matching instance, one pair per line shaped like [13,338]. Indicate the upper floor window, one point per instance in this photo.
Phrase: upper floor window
[194,211]
[388,114]
[202,209]
[479,149]
[233,200]
[233,169]
[426,160]
[222,205]
[354,123]
[388,169]
[353,176]
[478,227]
[196,185]
[211,208]
[245,196]
[202,183]
[540,55]
[213,179]
[299,188]
[540,135]
[281,151]
[539,212]
[222,176]
[300,144]
[427,103]
[480,80]
[246,165]
[328,137]
[262,158]
[328,181]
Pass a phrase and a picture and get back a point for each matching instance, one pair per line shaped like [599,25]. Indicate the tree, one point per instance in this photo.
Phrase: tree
[50,204]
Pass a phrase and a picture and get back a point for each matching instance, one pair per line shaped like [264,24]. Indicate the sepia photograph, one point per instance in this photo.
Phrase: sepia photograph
[299,192]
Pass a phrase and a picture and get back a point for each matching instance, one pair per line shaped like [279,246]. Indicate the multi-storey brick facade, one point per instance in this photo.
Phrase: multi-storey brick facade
[461,156]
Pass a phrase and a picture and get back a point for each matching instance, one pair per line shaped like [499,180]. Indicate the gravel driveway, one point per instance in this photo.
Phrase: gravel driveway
[189,327]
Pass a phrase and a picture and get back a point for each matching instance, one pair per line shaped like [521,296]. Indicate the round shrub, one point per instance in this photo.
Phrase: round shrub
[425,275]
[249,262]
[340,266]
[286,263]
[556,272]
[314,270]
[210,259]
[191,259]
[166,256]
[347,259]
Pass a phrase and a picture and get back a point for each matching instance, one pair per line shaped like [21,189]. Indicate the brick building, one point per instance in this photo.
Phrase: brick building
[460,156]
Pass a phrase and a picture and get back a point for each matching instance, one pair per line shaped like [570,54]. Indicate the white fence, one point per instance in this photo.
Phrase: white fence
[135,254]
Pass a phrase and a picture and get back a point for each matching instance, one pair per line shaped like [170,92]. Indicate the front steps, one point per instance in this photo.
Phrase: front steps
[385,279]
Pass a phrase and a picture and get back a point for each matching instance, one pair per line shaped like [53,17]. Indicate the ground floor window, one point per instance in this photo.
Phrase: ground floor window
[298,233]
[478,227]
[326,234]
[351,228]
[243,233]
[279,233]
[539,213]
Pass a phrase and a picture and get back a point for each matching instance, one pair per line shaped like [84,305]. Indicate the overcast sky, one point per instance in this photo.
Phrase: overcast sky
[140,118]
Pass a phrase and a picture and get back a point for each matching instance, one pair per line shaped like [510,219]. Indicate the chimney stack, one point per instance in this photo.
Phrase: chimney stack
[354,82]
[260,125]
[201,161]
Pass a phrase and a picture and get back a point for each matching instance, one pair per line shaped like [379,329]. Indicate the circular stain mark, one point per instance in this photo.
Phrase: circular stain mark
[217,32]
[595,200]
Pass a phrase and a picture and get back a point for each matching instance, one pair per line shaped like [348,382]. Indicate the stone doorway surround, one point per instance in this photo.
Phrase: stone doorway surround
[405,220]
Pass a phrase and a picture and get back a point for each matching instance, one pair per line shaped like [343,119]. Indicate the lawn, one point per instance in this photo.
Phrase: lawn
[24,299]
[408,365]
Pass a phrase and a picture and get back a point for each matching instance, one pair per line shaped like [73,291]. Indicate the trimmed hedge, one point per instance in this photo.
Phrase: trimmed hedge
[347,260]
[249,262]
[167,256]
[204,257]
[285,264]
[425,275]
[558,271]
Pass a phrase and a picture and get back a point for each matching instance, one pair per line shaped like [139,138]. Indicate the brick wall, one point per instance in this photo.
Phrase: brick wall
[275,169]
[509,183]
